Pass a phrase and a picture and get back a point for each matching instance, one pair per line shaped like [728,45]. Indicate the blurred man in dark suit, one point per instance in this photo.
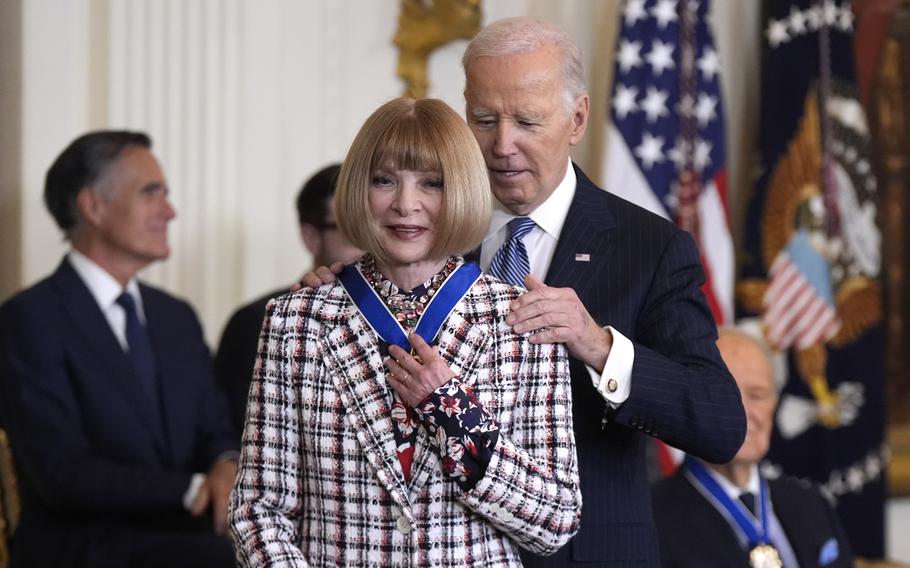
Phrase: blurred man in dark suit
[125,452]
[237,349]
[729,514]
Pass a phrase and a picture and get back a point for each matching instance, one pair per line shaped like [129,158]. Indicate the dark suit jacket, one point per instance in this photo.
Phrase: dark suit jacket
[94,474]
[693,534]
[644,279]
[236,354]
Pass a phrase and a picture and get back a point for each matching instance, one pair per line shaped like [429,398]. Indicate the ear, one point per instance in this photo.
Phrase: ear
[90,206]
[580,119]
[312,237]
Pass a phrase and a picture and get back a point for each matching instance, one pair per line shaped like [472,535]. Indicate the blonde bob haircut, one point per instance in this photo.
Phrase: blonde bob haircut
[417,135]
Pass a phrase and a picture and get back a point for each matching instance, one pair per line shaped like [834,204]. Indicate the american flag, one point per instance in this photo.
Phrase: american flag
[665,147]
[799,303]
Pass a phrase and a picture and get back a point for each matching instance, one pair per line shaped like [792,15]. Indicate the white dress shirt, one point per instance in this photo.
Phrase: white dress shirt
[540,243]
[105,289]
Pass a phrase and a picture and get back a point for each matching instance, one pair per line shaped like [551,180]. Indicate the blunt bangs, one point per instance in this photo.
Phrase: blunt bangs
[423,135]
[408,144]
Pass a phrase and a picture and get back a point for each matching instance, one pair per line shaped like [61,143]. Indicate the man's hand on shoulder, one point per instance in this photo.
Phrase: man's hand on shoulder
[556,315]
[319,276]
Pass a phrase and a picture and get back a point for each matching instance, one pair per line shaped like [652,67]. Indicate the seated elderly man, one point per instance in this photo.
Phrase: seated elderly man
[729,515]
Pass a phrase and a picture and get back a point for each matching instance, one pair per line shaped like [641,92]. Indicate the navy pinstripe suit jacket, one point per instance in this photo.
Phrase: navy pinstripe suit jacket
[644,279]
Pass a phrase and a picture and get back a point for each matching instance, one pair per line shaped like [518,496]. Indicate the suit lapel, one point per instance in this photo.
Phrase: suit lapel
[90,323]
[787,511]
[585,243]
[461,344]
[355,366]
[714,535]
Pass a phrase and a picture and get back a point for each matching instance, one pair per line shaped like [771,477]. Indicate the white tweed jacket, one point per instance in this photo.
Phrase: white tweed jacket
[320,483]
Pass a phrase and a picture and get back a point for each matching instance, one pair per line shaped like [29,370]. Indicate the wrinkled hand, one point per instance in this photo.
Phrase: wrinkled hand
[556,315]
[410,378]
[319,276]
[214,492]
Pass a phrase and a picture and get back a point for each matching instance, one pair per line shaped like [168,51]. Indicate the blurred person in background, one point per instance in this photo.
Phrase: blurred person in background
[236,353]
[729,514]
[124,449]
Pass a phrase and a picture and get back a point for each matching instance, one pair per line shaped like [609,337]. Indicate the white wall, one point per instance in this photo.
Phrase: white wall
[897,523]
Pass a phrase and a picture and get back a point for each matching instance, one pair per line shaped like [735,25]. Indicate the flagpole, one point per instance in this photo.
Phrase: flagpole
[829,184]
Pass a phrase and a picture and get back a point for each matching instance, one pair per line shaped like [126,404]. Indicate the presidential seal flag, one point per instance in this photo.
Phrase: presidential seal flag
[812,263]
[665,145]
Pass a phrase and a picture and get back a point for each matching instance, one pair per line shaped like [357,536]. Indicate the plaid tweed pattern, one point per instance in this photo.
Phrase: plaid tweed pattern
[320,483]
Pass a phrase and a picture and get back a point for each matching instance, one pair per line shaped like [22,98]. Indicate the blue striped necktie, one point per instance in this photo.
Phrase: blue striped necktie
[510,263]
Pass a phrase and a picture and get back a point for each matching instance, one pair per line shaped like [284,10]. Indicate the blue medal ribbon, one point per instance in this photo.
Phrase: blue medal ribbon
[384,323]
[754,530]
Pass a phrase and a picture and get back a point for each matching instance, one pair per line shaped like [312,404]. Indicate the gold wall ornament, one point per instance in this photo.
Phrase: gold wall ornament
[424,26]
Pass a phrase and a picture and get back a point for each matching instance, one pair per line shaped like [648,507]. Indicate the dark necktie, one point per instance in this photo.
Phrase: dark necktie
[748,499]
[140,352]
[510,263]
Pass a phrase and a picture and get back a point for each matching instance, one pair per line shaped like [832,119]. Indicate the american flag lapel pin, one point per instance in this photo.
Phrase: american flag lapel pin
[582,257]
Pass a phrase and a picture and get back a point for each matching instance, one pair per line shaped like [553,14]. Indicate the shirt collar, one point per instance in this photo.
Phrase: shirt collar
[104,287]
[752,486]
[549,215]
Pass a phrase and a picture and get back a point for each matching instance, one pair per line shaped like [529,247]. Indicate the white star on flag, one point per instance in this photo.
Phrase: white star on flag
[650,150]
[679,152]
[704,110]
[702,154]
[664,12]
[661,56]
[777,33]
[624,101]
[829,12]
[634,11]
[629,55]
[655,104]
[686,106]
[846,19]
[813,18]
[709,64]
[797,21]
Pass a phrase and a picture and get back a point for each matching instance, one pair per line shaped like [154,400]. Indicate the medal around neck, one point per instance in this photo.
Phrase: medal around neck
[754,530]
[434,316]
[764,556]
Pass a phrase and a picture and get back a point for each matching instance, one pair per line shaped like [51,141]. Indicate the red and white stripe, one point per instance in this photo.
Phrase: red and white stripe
[795,314]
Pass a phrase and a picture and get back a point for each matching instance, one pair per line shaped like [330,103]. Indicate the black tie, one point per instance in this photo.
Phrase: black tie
[748,500]
[140,353]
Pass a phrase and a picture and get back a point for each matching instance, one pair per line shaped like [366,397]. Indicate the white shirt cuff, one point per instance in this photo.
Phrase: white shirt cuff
[193,490]
[615,382]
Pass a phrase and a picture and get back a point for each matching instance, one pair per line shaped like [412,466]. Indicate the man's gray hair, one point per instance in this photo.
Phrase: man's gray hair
[514,36]
[749,329]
